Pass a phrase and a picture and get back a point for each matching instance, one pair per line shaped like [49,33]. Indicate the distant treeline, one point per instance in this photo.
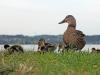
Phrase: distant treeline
[21,39]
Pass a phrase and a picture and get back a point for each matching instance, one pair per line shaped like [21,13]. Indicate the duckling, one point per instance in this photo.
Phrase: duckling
[95,50]
[45,46]
[13,48]
[61,47]
[73,39]
[41,45]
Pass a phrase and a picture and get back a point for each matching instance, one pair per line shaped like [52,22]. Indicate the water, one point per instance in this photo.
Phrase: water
[29,47]
[88,47]
[32,47]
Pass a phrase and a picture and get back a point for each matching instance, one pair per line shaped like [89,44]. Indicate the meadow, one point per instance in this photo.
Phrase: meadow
[34,63]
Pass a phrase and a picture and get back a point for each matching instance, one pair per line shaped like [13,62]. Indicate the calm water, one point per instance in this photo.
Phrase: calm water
[34,47]
[26,47]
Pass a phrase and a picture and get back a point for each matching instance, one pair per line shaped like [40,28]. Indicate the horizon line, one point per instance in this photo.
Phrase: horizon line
[42,34]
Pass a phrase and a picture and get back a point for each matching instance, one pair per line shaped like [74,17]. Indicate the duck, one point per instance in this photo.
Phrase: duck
[43,45]
[95,50]
[61,47]
[13,48]
[73,39]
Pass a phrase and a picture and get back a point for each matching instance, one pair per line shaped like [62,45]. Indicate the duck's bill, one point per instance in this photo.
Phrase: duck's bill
[61,22]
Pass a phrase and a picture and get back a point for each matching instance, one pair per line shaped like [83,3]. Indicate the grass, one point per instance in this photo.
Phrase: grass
[33,63]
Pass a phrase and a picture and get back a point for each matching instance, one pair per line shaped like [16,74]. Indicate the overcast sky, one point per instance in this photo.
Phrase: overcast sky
[37,17]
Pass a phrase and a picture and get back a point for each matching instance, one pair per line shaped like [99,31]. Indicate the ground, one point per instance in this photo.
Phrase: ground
[33,63]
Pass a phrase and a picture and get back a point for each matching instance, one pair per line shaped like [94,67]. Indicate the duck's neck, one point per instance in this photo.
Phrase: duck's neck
[72,24]
[71,27]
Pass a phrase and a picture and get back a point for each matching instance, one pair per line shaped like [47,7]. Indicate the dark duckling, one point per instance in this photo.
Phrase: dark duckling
[95,50]
[13,48]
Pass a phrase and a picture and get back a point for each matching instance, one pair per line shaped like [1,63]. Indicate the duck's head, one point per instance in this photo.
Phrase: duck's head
[69,19]
[93,49]
[6,46]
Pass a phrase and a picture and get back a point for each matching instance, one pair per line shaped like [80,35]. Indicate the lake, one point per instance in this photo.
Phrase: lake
[32,47]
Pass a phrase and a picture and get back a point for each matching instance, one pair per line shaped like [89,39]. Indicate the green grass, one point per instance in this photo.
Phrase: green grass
[31,63]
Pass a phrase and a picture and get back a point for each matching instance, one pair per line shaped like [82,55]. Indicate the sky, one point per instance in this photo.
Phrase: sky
[40,17]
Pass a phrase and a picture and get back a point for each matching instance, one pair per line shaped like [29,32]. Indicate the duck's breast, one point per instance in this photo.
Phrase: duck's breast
[67,36]
[71,37]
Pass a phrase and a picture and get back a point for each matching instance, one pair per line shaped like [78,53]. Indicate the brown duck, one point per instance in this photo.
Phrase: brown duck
[74,39]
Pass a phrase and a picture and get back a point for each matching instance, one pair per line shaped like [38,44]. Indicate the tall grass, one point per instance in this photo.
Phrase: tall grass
[33,63]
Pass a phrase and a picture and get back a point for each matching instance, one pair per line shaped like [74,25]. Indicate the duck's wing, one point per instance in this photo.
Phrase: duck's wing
[78,39]
[79,33]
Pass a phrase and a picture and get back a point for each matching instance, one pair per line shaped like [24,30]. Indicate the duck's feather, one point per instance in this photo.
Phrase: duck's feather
[75,38]
[80,33]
